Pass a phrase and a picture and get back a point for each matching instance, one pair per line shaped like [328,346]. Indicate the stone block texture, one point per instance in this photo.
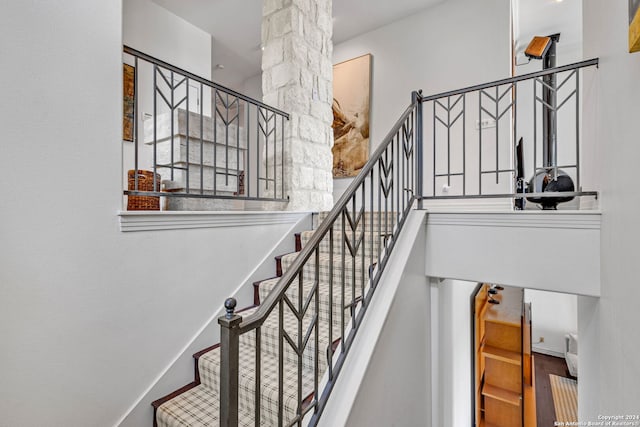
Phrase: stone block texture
[297,76]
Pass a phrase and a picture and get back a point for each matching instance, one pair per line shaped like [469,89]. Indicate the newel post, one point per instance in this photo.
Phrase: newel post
[229,361]
[416,98]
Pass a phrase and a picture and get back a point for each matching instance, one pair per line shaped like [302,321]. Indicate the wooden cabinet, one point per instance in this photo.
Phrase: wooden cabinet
[503,366]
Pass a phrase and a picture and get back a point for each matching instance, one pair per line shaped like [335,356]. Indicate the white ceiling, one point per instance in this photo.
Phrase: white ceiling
[235,27]
[354,17]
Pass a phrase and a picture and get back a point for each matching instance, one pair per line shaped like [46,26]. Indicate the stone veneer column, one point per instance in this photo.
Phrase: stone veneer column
[297,76]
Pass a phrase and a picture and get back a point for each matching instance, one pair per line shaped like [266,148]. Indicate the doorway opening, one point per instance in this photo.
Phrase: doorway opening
[524,356]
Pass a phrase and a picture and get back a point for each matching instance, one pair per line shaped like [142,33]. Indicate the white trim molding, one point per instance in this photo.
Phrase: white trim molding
[584,220]
[163,220]
[468,205]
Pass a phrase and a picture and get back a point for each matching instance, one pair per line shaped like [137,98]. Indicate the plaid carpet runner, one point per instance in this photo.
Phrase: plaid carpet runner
[199,405]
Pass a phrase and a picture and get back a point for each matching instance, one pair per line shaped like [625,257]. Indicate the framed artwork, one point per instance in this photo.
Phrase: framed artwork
[351,109]
[128,102]
[634,25]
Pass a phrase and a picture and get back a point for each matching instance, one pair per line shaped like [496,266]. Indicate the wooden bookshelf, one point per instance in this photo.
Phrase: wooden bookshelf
[502,348]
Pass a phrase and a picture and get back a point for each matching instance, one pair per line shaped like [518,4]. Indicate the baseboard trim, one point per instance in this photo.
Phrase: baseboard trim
[547,352]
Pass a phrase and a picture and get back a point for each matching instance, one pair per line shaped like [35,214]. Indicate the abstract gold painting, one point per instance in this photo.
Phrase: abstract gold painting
[351,104]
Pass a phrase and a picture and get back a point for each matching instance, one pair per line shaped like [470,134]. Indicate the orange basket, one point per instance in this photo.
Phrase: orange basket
[145,183]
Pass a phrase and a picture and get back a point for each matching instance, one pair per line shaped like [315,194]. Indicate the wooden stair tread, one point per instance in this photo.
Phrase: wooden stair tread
[502,355]
[506,396]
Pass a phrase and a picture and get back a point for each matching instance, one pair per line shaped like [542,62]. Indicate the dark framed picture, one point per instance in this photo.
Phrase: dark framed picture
[128,102]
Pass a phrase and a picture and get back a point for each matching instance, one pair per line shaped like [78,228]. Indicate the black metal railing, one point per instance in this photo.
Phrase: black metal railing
[328,287]
[488,120]
[200,139]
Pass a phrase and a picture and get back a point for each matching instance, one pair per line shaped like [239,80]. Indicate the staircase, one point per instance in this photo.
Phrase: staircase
[279,358]
[343,269]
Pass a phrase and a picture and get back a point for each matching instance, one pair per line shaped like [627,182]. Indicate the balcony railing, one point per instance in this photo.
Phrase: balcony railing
[194,141]
[486,122]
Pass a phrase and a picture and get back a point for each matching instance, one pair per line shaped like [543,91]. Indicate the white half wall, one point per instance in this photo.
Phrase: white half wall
[553,250]
[451,45]
[386,377]
[89,315]
[611,134]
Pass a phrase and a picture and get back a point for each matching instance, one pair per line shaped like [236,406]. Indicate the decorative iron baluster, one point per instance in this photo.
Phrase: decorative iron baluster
[496,115]
[448,125]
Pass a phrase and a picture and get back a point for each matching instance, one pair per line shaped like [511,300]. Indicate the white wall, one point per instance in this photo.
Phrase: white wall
[452,357]
[611,104]
[553,315]
[590,367]
[154,30]
[449,46]
[180,371]
[89,316]
[253,87]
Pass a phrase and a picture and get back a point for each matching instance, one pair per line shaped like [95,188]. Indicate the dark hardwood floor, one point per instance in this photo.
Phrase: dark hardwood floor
[546,365]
